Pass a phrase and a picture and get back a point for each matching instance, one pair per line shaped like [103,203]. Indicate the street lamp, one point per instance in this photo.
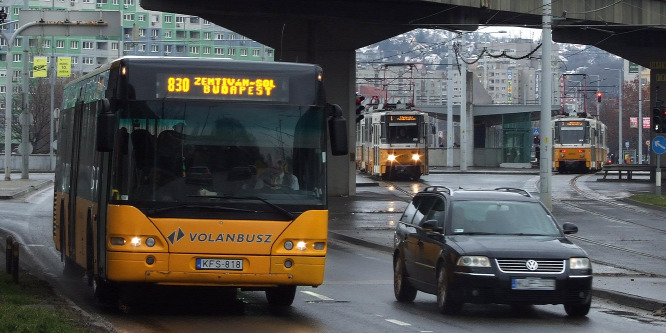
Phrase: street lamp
[620,157]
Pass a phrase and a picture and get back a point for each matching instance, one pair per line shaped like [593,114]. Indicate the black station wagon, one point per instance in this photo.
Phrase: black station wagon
[488,246]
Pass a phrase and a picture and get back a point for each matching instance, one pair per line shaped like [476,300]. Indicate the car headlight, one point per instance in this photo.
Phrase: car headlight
[473,261]
[579,263]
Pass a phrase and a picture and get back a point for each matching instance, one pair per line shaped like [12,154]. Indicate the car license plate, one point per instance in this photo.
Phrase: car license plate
[533,284]
[220,264]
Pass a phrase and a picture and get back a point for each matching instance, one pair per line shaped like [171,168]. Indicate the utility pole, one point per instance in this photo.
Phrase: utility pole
[545,167]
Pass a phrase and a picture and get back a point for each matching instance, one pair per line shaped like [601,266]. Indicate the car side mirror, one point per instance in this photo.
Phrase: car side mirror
[569,228]
[431,225]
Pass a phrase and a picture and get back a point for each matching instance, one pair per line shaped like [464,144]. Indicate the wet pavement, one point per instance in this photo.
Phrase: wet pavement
[368,219]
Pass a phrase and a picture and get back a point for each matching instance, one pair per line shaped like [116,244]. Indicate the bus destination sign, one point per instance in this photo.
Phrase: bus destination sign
[232,87]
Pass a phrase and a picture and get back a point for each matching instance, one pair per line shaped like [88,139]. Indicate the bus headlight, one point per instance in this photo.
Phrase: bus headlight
[391,158]
[301,246]
[136,241]
[416,157]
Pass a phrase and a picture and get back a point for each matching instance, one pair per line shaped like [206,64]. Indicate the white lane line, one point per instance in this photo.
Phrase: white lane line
[321,297]
[398,322]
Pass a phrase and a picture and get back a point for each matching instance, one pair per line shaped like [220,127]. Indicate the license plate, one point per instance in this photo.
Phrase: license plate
[533,284]
[220,264]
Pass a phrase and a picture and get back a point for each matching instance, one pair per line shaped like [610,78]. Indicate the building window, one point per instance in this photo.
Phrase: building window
[207,35]
[17,58]
[46,43]
[167,34]
[219,36]
[243,52]
[60,44]
[75,60]
[88,45]
[194,50]
[142,47]
[232,52]
[114,46]
[154,48]
[206,50]
[219,51]
[88,60]
[168,18]
[255,53]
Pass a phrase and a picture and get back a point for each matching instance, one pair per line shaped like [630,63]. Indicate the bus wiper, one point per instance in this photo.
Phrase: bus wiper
[154,211]
[272,205]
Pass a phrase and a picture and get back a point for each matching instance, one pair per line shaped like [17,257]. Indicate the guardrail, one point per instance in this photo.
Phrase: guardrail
[629,170]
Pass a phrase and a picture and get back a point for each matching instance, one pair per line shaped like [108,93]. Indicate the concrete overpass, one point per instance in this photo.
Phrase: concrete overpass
[329,32]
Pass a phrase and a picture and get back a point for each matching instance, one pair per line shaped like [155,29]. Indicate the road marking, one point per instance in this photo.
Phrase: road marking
[398,322]
[321,297]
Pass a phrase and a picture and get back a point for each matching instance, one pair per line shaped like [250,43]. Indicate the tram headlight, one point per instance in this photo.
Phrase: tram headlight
[301,246]
[416,157]
[391,158]
[136,241]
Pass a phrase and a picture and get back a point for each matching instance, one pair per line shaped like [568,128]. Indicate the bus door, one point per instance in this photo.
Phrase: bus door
[74,171]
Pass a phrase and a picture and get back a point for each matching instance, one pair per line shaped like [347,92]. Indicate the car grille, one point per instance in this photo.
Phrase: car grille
[520,266]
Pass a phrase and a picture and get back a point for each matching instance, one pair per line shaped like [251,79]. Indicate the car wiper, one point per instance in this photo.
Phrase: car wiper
[153,211]
[283,211]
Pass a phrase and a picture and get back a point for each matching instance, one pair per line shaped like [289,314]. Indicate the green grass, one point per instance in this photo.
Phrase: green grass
[652,199]
[31,306]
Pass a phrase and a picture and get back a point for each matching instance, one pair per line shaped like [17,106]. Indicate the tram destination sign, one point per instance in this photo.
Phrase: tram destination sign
[222,87]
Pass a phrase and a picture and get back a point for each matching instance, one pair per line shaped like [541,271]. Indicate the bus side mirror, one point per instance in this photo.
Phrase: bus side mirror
[106,127]
[337,130]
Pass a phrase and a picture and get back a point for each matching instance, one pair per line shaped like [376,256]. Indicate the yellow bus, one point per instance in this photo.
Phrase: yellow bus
[195,172]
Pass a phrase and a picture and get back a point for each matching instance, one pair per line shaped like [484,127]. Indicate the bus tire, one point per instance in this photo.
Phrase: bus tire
[71,269]
[281,296]
[103,292]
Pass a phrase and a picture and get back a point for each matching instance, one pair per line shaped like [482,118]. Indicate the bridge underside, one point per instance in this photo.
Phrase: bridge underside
[328,32]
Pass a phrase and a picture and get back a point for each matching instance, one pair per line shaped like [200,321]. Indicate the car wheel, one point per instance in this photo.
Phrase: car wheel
[578,309]
[282,296]
[446,300]
[404,292]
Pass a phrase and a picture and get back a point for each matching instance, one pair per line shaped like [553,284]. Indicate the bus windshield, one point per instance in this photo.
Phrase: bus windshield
[179,153]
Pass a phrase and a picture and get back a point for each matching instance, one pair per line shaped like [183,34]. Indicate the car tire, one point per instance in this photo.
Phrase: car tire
[404,292]
[447,302]
[578,309]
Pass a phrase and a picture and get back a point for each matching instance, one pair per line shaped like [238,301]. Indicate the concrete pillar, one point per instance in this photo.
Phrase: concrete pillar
[339,81]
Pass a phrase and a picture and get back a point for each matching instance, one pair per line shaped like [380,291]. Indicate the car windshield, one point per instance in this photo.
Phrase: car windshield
[501,218]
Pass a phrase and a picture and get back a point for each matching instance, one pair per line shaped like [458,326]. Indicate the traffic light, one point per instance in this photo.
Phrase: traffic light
[359,107]
[599,96]
[658,120]
[3,15]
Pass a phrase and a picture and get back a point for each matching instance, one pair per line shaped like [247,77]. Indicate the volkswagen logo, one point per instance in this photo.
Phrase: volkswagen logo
[532,265]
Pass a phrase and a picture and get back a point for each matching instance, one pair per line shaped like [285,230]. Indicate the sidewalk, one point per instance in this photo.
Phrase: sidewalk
[368,219]
[17,187]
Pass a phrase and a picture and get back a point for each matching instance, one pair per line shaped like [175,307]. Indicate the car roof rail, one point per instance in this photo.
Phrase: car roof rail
[437,189]
[514,190]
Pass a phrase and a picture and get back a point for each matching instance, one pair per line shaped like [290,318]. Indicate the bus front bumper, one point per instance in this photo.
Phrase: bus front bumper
[180,269]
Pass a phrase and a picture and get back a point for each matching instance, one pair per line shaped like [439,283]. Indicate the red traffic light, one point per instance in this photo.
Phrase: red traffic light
[599,96]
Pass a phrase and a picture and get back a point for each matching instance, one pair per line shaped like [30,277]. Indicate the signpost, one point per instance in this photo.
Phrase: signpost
[659,147]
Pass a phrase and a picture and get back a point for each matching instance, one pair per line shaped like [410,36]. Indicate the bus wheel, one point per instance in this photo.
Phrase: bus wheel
[71,269]
[281,296]
[103,292]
